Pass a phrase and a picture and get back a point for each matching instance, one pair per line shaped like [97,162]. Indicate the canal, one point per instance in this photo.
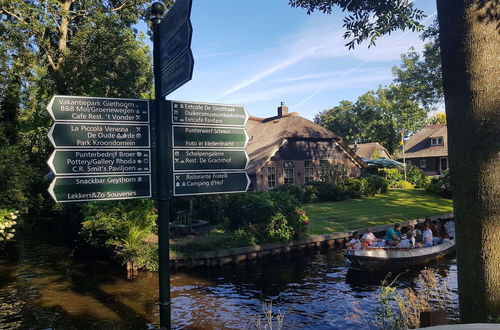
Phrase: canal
[45,282]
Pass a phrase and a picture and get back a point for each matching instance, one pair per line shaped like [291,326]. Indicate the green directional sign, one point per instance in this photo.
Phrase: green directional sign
[208,113]
[98,109]
[201,183]
[203,160]
[77,162]
[209,137]
[91,188]
[99,135]
[176,44]
[177,73]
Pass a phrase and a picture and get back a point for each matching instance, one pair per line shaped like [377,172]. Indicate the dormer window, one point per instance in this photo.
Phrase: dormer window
[438,141]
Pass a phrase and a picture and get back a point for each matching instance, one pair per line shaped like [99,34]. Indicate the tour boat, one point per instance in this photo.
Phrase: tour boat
[388,258]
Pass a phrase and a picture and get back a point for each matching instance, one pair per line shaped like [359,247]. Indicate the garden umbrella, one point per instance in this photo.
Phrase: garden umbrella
[383,162]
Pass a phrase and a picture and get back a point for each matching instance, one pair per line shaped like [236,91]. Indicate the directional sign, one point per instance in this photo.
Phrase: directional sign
[208,113]
[202,183]
[212,160]
[99,135]
[176,15]
[178,73]
[178,42]
[209,137]
[112,161]
[98,109]
[81,189]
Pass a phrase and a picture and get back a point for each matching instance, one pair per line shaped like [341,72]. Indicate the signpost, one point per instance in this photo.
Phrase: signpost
[98,109]
[85,135]
[177,73]
[209,160]
[100,161]
[202,183]
[208,114]
[209,137]
[93,188]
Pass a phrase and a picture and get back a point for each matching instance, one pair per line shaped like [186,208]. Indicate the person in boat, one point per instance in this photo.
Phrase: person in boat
[416,233]
[393,235]
[354,243]
[408,242]
[427,238]
[368,238]
[436,232]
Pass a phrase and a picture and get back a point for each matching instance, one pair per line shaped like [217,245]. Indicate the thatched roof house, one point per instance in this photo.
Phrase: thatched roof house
[370,150]
[428,149]
[288,148]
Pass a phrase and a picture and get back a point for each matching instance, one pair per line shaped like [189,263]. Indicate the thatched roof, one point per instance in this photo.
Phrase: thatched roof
[366,150]
[266,136]
[419,144]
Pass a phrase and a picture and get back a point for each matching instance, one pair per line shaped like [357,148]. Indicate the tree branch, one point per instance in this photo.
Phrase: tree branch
[124,5]
[19,18]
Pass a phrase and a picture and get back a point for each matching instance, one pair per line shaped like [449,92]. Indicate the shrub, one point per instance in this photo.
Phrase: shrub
[416,176]
[335,173]
[305,194]
[326,191]
[392,175]
[441,185]
[7,222]
[263,215]
[119,226]
[402,184]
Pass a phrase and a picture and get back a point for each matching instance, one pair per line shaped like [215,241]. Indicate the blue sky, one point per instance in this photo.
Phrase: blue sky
[259,53]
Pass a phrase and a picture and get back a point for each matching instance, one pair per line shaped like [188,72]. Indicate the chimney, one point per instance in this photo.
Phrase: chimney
[282,110]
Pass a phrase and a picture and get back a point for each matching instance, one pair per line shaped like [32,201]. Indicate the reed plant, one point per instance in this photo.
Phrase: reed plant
[269,321]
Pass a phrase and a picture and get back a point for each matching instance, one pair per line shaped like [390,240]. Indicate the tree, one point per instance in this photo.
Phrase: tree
[469,42]
[421,73]
[64,47]
[377,116]
[438,118]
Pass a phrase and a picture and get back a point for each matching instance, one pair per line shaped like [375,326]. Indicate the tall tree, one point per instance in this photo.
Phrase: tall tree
[469,45]
[66,47]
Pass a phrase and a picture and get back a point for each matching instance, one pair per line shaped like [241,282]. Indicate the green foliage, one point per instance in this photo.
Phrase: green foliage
[441,185]
[146,256]
[119,226]
[326,191]
[335,173]
[7,222]
[267,216]
[402,184]
[377,116]
[368,20]
[304,194]
[414,175]
[215,240]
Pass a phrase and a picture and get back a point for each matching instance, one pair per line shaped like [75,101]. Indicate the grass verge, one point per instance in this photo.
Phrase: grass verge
[394,206]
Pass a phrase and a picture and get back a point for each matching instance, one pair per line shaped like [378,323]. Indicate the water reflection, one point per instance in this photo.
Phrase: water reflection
[44,284]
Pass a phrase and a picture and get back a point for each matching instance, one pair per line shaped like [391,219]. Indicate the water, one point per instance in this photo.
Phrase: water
[45,283]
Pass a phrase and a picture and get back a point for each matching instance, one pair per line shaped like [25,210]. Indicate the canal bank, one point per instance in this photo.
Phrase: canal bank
[46,283]
[250,253]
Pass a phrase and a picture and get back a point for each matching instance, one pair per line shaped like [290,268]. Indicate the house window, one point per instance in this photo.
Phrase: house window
[324,164]
[437,141]
[288,171]
[443,163]
[423,163]
[271,177]
[308,171]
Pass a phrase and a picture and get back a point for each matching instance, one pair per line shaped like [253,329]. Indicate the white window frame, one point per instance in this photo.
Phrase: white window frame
[423,163]
[289,172]
[308,171]
[437,141]
[271,177]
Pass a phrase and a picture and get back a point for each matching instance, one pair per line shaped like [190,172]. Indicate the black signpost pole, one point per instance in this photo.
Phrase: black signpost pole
[161,176]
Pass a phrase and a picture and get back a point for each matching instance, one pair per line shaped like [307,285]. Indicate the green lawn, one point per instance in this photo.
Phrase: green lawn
[394,206]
